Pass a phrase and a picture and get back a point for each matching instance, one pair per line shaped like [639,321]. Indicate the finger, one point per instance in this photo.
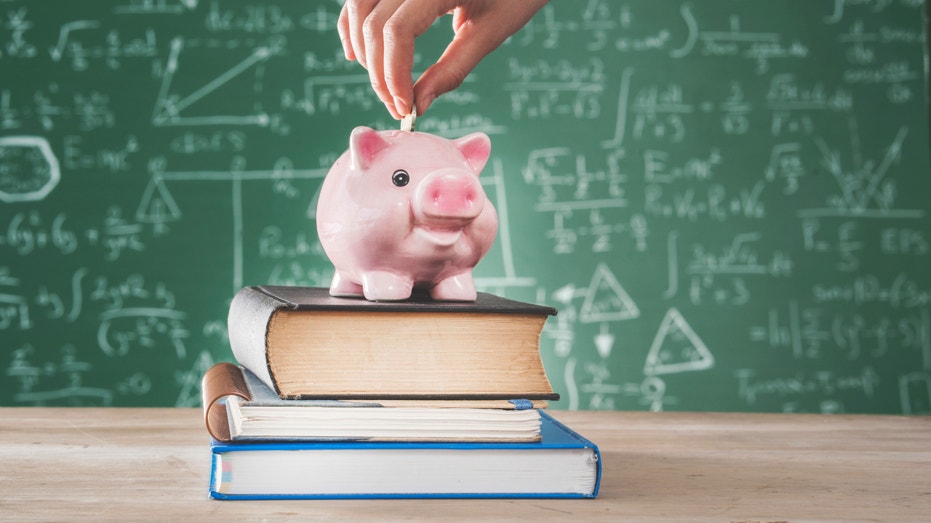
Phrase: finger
[450,71]
[479,29]
[358,11]
[411,20]
[399,66]
[373,32]
[342,27]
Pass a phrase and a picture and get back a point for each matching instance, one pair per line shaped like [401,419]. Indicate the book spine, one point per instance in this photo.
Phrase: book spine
[222,380]
[247,323]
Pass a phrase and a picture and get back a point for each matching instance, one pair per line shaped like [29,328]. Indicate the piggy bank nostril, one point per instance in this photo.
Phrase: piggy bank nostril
[452,199]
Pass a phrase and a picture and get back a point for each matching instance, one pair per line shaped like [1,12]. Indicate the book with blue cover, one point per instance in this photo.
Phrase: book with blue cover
[563,464]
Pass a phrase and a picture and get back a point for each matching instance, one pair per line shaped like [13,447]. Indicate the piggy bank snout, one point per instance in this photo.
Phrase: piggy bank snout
[449,195]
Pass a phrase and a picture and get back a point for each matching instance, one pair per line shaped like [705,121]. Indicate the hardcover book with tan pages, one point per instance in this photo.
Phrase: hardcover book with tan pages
[305,344]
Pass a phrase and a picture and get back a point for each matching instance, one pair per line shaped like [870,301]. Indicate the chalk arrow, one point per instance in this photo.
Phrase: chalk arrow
[565,294]
[604,341]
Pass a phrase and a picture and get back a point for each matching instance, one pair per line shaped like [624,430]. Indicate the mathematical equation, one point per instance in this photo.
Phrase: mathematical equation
[726,202]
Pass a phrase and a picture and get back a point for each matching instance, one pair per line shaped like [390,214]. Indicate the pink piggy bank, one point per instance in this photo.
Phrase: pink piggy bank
[402,210]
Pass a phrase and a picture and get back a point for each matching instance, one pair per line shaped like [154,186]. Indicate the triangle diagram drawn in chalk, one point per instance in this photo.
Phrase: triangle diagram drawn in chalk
[157,205]
[606,299]
[676,348]
[173,108]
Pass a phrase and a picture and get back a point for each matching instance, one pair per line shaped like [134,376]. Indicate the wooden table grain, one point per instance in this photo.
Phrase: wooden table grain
[153,465]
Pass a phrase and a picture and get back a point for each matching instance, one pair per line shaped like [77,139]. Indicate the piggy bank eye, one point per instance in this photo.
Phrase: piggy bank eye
[400,178]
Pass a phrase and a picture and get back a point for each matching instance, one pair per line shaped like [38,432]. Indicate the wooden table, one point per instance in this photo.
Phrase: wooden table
[152,464]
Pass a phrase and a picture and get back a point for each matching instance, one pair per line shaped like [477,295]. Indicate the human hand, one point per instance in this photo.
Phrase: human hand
[380,34]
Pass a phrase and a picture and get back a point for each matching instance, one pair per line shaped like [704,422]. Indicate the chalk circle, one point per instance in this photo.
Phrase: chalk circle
[29,169]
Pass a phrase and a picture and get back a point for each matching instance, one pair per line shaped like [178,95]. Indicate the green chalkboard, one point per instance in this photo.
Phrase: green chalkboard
[728,201]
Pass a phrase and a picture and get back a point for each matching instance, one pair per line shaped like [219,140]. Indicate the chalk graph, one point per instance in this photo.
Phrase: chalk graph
[171,107]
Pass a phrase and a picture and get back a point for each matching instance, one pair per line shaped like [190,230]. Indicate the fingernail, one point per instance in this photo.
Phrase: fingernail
[402,106]
[347,48]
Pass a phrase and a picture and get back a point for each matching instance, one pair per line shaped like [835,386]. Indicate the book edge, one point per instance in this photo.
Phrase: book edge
[318,298]
[219,447]
[447,346]
[583,442]
[424,495]
[263,395]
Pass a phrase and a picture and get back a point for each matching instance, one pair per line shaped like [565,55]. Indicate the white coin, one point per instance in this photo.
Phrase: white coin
[407,123]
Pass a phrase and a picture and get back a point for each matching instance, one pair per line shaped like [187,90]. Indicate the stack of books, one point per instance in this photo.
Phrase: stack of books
[341,398]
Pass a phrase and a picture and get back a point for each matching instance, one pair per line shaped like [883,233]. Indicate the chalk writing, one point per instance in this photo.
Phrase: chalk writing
[726,201]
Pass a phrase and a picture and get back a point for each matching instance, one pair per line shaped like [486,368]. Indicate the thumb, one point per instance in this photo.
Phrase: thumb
[450,71]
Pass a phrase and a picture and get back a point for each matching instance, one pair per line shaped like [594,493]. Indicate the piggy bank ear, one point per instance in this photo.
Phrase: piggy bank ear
[475,147]
[364,145]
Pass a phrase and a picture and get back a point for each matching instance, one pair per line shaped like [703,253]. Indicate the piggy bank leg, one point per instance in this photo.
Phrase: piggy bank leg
[343,287]
[456,288]
[386,286]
